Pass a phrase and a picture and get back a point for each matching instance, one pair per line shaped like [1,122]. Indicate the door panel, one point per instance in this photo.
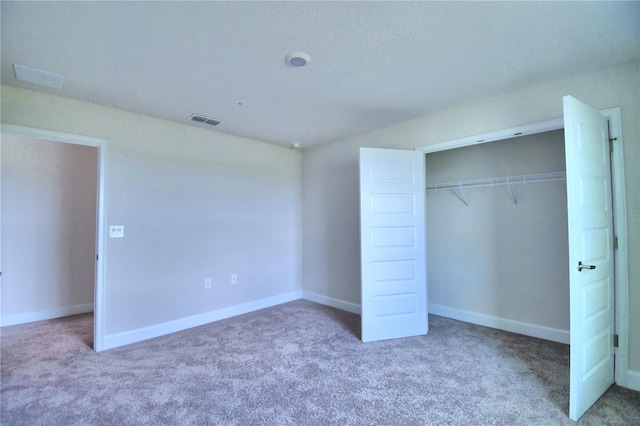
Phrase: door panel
[392,216]
[590,242]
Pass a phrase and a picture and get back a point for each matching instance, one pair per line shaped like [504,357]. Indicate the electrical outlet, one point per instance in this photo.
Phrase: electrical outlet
[207,283]
[234,279]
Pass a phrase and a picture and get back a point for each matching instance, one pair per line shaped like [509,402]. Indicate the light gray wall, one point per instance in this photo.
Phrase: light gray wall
[194,203]
[331,251]
[159,170]
[48,226]
[490,257]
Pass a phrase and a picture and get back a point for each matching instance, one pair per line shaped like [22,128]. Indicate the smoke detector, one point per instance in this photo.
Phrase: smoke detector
[297,59]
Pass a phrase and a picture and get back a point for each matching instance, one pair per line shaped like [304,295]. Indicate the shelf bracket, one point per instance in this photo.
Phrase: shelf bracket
[462,196]
[513,199]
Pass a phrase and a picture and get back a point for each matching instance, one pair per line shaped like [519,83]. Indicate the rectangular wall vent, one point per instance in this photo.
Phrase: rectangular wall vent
[39,77]
[206,120]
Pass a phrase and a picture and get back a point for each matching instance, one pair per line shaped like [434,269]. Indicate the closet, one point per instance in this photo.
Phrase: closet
[519,250]
[497,244]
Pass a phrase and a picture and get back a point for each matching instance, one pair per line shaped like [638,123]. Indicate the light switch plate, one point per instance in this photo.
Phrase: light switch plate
[116,231]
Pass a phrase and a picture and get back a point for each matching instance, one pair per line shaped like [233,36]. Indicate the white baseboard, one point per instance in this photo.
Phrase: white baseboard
[45,315]
[330,301]
[633,380]
[125,338]
[547,333]
[138,335]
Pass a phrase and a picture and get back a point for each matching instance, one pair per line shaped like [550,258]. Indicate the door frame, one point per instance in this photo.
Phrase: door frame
[619,203]
[101,145]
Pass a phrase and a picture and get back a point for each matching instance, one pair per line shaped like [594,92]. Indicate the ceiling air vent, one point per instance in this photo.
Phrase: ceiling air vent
[36,76]
[206,120]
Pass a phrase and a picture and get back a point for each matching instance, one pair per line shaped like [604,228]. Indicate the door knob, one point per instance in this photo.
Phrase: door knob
[582,266]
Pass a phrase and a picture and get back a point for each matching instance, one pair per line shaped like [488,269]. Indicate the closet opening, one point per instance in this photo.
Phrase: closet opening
[497,248]
[499,195]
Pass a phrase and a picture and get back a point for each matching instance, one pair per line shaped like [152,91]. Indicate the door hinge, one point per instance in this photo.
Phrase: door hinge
[615,340]
[97,257]
[611,140]
[615,243]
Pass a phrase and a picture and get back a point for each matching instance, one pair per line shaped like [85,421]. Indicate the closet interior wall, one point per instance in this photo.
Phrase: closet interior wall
[488,257]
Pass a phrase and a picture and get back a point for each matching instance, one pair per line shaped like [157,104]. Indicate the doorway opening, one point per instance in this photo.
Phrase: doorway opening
[618,205]
[497,235]
[588,137]
[56,192]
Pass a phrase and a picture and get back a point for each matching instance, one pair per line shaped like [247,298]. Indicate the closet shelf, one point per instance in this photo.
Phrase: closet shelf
[504,180]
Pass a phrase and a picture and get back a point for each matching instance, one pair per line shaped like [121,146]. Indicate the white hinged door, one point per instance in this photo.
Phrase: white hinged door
[393,255]
[590,255]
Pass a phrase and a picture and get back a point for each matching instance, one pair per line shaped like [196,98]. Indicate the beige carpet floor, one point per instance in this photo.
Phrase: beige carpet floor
[298,363]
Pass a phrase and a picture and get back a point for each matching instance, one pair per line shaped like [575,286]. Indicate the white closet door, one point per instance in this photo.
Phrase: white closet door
[590,255]
[393,256]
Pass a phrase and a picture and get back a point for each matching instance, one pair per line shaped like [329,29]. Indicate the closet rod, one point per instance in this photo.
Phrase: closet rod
[504,180]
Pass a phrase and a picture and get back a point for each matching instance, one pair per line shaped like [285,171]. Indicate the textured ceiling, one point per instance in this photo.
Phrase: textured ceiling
[373,63]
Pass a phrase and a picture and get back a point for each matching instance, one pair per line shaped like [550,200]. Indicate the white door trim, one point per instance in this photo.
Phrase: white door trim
[621,256]
[498,135]
[101,145]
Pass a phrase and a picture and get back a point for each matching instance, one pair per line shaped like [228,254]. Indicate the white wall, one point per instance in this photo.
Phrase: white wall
[330,203]
[492,258]
[49,228]
[194,203]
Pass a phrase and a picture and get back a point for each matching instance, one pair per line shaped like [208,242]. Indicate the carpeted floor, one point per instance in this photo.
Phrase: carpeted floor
[298,363]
